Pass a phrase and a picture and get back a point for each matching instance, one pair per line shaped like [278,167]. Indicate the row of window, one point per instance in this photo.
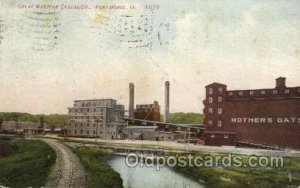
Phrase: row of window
[145,106]
[210,99]
[86,110]
[146,110]
[94,132]
[210,111]
[86,117]
[94,125]
[95,103]
[219,123]
[211,91]
[262,92]
[85,121]
[213,136]
[92,115]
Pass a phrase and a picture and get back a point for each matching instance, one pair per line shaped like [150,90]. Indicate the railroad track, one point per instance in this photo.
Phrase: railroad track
[68,171]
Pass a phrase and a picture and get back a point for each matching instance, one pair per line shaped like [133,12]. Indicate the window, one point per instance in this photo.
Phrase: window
[210,122]
[219,110]
[210,99]
[219,123]
[212,136]
[210,111]
[263,92]
[220,99]
[230,93]
[275,91]
[287,91]
[87,132]
[241,93]
[251,92]
[210,91]
[225,135]
[220,90]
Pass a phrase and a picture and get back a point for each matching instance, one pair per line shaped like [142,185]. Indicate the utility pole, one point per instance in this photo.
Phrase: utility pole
[97,125]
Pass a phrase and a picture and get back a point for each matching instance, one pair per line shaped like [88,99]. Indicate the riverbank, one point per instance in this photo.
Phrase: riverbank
[288,175]
[236,177]
[28,166]
[179,147]
[99,173]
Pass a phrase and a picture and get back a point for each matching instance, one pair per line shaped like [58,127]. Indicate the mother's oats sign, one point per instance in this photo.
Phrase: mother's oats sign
[258,120]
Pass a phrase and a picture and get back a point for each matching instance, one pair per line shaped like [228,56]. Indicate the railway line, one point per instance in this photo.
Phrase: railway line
[67,171]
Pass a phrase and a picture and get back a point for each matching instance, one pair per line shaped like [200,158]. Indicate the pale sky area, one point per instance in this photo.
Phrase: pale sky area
[91,54]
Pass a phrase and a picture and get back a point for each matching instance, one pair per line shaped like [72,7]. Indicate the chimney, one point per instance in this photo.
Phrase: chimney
[131,100]
[167,101]
[280,83]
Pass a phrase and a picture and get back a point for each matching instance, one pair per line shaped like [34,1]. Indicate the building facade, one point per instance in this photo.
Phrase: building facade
[24,128]
[140,132]
[149,112]
[100,118]
[263,116]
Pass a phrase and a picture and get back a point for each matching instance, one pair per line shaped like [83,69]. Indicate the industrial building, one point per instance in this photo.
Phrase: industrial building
[260,116]
[22,128]
[100,118]
[149,112]
[145,121]
[140,132]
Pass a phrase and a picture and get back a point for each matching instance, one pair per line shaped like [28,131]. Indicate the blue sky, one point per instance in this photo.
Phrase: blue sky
[244,44]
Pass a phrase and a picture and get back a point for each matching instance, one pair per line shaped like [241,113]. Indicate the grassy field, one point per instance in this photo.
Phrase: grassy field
[28,166]
[100,174]
[255,177]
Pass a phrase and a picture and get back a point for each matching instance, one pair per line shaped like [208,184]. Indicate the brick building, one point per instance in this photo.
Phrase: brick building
[263,116]
[149,112]
[96,118]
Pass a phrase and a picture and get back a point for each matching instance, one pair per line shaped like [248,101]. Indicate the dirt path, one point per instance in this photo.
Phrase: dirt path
[67,171]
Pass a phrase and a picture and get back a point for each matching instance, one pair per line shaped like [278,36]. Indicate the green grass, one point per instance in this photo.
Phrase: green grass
[100,174]
[235,177]
[29,166]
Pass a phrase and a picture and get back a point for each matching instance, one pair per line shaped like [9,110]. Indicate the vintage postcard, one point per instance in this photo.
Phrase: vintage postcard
[133,94]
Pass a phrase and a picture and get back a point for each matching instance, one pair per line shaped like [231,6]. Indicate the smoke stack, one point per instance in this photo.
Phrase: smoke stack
[167,101]
[280,83]
[131,100]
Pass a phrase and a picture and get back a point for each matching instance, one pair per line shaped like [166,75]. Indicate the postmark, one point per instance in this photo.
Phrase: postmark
[41,27]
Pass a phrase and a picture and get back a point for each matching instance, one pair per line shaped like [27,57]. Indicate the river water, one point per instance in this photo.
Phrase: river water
[137,177]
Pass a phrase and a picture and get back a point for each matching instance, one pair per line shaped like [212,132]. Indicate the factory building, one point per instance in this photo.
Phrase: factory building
[100,118]
[22,128]
[149,112]
[261,116]
[140,132]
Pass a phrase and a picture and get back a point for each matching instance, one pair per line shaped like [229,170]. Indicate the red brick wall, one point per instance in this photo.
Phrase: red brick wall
[242,104]
[282,134]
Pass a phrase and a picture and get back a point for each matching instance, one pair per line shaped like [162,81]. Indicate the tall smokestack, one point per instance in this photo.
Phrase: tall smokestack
[131,100]
[167,101]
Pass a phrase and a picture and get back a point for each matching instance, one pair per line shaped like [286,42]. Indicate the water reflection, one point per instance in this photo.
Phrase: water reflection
[148,177]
